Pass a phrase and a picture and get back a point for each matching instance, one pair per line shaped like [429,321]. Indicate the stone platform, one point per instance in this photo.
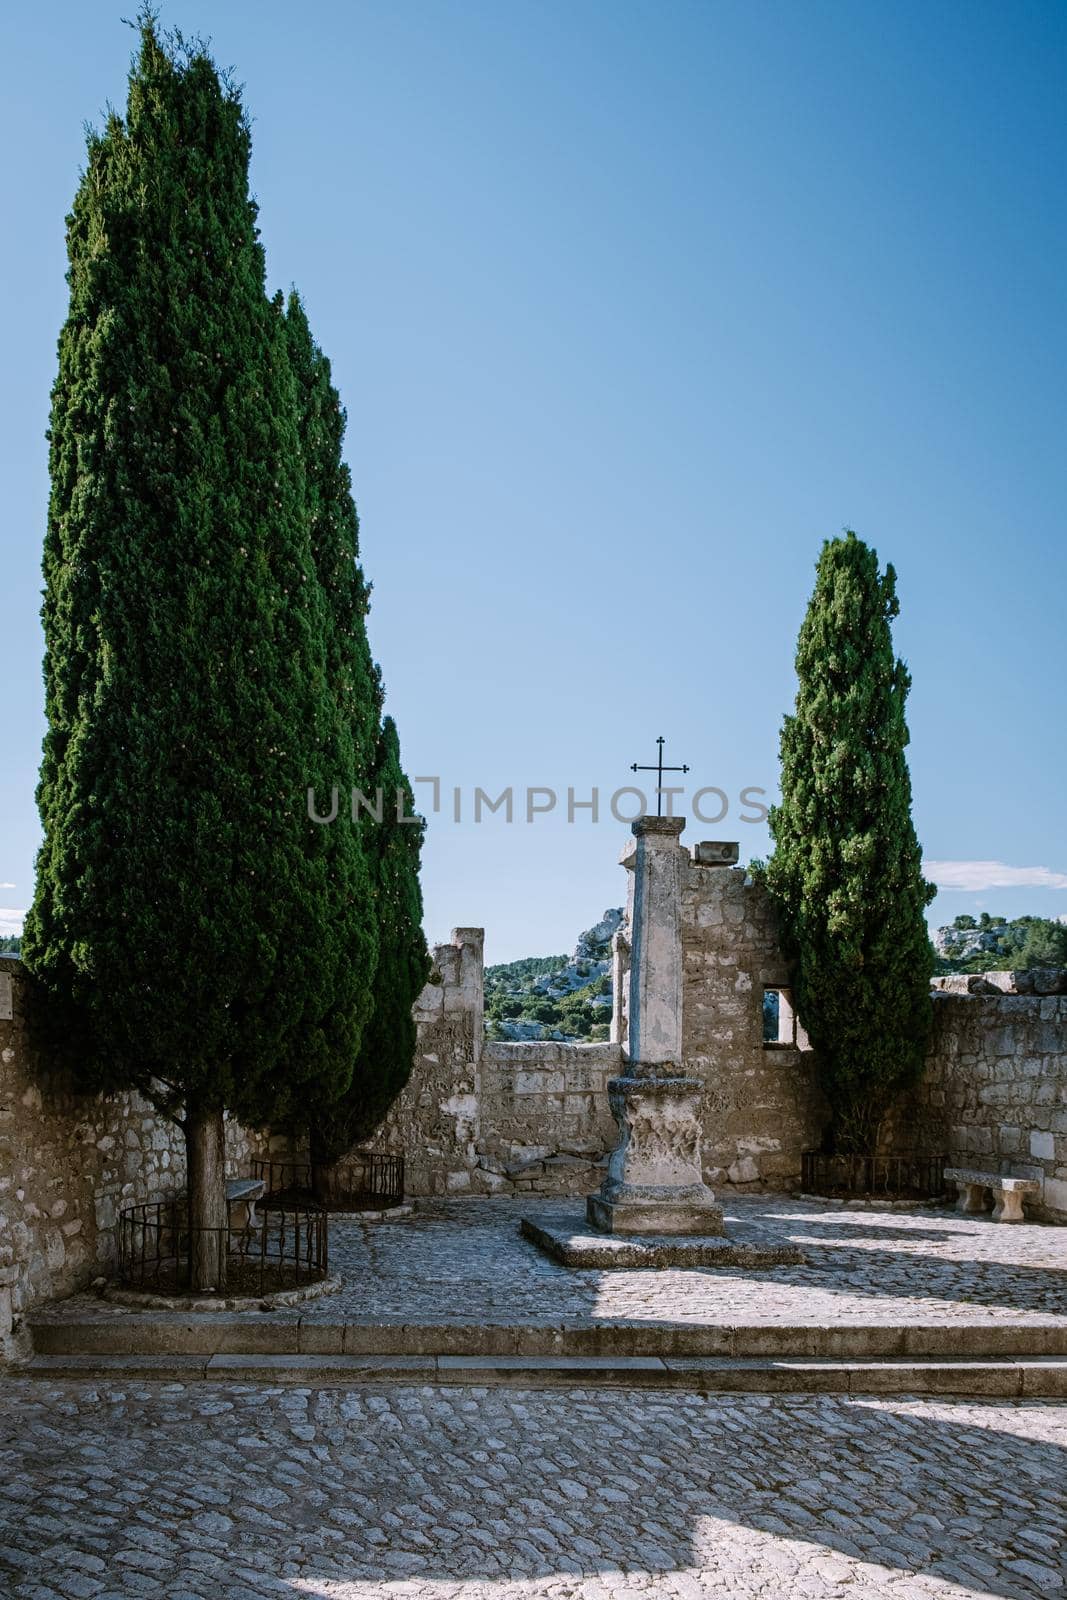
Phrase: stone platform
[566,1237]
[902,1301]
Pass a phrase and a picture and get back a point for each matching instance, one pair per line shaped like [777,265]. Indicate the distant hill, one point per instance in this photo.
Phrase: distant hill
[994,944]
[566,998]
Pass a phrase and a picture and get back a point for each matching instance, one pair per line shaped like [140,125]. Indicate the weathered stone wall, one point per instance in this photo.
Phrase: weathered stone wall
[994,1095]
[479,1118]
[546,1123]
[68,1161]
[761,1103]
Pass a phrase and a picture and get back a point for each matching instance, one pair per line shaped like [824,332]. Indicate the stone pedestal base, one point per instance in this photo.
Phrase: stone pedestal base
[654,1182]
[653,1216]
[568,1239]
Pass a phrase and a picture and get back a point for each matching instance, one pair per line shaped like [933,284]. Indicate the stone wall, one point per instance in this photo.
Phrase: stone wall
[994,1095]
[487,1118]
[480,1118]
[761,1103]
[68,1161]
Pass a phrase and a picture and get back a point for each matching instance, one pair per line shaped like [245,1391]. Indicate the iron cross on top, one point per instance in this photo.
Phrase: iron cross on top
[659,769]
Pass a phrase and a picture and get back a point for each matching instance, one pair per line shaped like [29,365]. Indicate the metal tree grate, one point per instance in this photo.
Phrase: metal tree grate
[286,1247]
[909,1175]
[365,1180]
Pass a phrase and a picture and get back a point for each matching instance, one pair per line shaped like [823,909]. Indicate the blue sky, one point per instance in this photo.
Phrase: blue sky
[631,305]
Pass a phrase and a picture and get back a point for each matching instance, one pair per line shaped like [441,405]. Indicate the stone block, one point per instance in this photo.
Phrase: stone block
[653,1217]
[1042,1146]
[716,853]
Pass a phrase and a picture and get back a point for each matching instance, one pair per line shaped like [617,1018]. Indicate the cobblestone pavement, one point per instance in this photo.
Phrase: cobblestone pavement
[883,1266]
[246,1492]
[463,1261]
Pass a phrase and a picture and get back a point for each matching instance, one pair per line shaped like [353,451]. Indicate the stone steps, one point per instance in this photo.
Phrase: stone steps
[208,1334]
[705,1375]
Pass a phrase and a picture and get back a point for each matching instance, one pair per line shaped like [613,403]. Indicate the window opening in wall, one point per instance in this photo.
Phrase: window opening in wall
[779,1018]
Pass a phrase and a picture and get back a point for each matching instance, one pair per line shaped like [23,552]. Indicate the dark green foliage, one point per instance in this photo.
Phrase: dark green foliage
[1045,945]
[10,944]
[507,973]
[388,1048]
[334,528]
[847,870]
[218,944]
[392,847]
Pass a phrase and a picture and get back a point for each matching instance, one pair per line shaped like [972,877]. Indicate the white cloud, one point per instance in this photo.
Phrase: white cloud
[976,875]
[10,921]
[8,885]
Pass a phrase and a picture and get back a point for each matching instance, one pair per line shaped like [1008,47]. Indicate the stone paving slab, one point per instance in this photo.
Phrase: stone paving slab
[250,1492]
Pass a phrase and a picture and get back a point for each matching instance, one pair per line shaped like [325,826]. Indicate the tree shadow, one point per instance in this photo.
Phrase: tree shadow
[862,1227]
[481,1272]
[345,1492]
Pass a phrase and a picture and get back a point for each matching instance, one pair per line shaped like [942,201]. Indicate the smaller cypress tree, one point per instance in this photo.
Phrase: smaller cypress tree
[387,1050]
[846,870]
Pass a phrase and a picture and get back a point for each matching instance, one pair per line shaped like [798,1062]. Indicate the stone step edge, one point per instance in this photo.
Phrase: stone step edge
[148,1333]
[1003,1379]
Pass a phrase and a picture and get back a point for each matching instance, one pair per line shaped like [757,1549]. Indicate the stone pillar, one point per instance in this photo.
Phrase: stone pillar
[787,1019]
[654,1182]
[469,995]
[620,978]
[8,1278]
[656,858]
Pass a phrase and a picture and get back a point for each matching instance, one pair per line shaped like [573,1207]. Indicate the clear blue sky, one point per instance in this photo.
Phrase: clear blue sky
[631,305]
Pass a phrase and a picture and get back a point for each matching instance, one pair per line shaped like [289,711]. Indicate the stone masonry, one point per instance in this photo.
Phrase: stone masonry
[481,1118]
[486,1118]
[69,1161]
[762,1106]
[994,1095]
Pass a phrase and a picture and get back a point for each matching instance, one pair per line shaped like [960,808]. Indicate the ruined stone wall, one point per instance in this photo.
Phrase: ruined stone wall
[68,1161]
[761,1103]
[479,1118]
[994,1095]
[546,1123]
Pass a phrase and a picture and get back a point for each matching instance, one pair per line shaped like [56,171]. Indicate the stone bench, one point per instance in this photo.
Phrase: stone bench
[1008,1193]
[241,1197]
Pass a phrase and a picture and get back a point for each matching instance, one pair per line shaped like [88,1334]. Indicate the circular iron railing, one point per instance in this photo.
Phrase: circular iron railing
[367,1180]
[283,1248]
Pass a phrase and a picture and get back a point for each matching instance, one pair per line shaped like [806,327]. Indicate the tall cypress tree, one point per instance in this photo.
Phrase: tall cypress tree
[392,835]
[846,869]
[218,946]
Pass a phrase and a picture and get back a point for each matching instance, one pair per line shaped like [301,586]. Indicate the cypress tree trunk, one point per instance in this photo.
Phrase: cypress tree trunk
[326,1176]
[205,1157]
